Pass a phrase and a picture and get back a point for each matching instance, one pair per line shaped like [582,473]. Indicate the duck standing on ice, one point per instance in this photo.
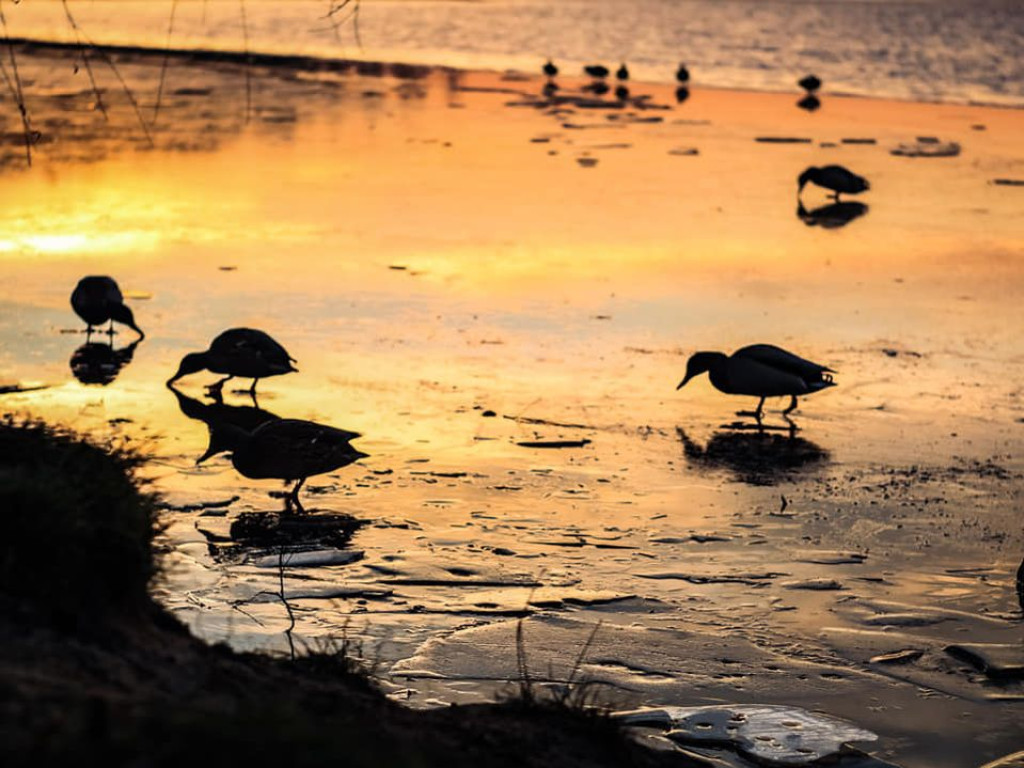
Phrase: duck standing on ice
[834,177]
[97,299]
[290,450]
[243,352]
[760,370]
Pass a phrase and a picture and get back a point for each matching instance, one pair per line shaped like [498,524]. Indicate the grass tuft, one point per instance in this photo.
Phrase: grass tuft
[76,531]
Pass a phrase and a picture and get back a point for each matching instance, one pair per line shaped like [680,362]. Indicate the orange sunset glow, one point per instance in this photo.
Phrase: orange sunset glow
[411,381]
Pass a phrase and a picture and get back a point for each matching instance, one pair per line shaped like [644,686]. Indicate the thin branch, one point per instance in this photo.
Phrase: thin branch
[163,66]
[13,81]
[85,60]
[248,62]
[287,606]
[127,91]
[353,14]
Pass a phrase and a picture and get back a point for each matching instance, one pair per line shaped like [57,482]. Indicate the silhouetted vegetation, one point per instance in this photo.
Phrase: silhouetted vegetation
[76,531]
[93,670]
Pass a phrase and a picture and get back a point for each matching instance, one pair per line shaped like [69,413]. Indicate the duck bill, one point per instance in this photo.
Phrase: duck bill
[682,383]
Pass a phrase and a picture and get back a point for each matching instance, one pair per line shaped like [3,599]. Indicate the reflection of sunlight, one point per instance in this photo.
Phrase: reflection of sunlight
[57,244]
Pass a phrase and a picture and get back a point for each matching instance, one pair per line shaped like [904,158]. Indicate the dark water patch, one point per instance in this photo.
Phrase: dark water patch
[1000,661]
[554,443]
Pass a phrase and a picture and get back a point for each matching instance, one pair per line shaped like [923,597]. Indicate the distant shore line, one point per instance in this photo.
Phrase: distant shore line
[398,69]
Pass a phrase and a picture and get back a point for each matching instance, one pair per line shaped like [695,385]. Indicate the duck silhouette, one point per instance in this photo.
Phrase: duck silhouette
[833,177]
[760,370]
[97,299]
[550,69]
[599,71]
[683,74]
[810,83]
[99,363]
[292,450]
[622,73]
[831,216]
[243,352]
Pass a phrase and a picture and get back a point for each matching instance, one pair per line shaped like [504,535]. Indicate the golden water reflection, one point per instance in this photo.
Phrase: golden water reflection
[453,282]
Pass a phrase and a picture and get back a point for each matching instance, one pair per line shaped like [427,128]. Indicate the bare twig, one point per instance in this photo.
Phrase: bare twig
[335,8]
[287,605]
[127,91]
[85,60]
[526,693]
[13,81]
[163,66]
[248,62]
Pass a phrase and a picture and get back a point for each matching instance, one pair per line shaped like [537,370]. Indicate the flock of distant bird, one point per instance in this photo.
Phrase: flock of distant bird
[599,73]
[294,449]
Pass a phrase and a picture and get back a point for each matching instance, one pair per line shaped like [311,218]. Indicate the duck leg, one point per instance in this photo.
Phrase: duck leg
[292,499]
[792,406]
[252,392]
[218,386]
[110,330]
[757,413]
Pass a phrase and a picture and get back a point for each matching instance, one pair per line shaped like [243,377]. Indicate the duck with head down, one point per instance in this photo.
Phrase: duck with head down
[840,180]
[243,352]
[97,299]
[760,370]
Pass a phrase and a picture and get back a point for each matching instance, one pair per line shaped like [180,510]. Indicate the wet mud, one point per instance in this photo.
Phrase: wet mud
[536,495]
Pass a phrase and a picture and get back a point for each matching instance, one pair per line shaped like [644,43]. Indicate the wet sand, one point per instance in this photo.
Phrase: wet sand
[454,282]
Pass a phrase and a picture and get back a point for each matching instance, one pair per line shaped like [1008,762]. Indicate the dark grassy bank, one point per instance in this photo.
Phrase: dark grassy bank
[92,670]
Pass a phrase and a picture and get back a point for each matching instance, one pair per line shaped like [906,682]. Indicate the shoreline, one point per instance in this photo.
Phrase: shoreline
[413,71]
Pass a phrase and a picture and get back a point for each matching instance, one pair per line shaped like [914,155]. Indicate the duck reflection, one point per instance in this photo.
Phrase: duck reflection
[831,216]
[227,424]
[810,103]
[682,94]
[264,446]
[99,363]
[755,457]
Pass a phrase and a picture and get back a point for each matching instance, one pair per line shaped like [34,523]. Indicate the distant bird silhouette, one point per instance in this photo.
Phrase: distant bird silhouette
[760,370]
[596,70]
[810,102]
[622,73]
[833,177]
[810,83]
[682,94]
[97,299]
[550,69]
[243,352]
[831,216]
[292,450]
[683,74]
